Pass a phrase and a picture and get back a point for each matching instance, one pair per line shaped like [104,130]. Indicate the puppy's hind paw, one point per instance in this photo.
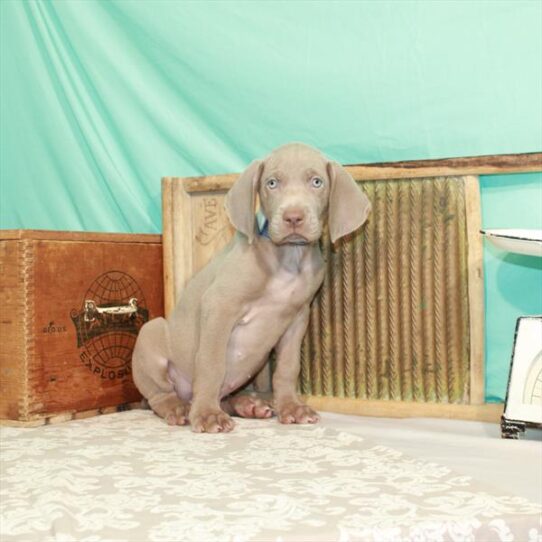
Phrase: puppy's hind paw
[178,416]
[250,406]
[171,408]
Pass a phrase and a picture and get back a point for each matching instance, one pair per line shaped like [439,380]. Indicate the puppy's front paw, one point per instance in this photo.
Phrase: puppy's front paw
[297,413]
[211,421]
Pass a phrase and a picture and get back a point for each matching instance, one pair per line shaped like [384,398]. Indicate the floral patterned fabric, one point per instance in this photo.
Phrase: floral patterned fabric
[130,477]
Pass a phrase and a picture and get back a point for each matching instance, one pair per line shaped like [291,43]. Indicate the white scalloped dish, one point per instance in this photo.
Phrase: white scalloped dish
[519,241]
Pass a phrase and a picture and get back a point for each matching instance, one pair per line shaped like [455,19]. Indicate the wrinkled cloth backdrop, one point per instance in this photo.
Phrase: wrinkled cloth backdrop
[102,98]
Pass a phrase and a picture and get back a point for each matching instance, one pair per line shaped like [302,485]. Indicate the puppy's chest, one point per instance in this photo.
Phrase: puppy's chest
[283,295]
[261,325]
[265,318]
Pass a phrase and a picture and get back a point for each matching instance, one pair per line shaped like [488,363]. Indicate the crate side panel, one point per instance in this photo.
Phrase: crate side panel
[83,358]
[12,339]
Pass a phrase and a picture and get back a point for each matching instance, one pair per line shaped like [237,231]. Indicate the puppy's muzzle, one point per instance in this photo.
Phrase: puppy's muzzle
[294,221]
[293,217]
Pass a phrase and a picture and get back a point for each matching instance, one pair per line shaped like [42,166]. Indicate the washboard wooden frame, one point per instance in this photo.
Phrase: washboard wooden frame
[195,227]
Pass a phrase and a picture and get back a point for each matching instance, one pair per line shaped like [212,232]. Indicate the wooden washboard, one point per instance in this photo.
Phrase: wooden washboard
[397,328]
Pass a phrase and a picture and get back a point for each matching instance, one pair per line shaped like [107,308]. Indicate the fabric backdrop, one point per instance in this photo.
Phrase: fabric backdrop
[102,98]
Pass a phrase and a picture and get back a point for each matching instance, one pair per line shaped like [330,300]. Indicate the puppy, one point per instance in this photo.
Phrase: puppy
[251,298]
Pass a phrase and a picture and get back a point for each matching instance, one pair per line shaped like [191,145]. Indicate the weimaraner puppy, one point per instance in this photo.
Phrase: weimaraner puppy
[253,297]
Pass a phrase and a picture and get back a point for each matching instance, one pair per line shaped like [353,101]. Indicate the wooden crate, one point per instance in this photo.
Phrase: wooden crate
[397,328]
[72,304]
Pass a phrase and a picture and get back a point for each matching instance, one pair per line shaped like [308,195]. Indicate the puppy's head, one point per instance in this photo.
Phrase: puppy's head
[298,188]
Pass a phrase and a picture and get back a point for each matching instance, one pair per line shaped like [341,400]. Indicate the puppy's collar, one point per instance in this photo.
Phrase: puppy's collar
[263,225]
[264,230]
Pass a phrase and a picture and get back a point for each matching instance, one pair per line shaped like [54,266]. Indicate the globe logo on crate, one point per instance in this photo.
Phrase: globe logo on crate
[111,315]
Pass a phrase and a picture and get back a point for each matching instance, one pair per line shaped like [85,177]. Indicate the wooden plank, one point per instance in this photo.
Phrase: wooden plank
[167,244]
[476,289]
[490,412]
[181,238]
[61,418]
[25,423]
[79,236]
[472,165]
[195,229]
[86,414]
[210,183]
[69,415]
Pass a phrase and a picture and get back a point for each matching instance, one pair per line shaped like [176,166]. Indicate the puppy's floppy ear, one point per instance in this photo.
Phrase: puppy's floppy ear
[241,199]
[349,207]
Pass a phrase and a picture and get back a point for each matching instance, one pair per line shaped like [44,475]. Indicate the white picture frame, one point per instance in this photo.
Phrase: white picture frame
[524,395]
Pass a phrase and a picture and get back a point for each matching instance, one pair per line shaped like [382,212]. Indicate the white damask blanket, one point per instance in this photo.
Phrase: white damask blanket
[129,477]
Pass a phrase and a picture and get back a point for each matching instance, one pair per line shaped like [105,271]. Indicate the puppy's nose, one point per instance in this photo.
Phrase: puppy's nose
[293,217]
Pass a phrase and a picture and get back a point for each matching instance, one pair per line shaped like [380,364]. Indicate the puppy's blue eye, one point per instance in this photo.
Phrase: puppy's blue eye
[317,182]
[272,183]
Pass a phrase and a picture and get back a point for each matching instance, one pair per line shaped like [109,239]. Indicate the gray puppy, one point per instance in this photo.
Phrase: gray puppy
[253,297]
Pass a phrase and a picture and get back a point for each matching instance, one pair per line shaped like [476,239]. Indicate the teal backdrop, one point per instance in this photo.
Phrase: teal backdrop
[99,99]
